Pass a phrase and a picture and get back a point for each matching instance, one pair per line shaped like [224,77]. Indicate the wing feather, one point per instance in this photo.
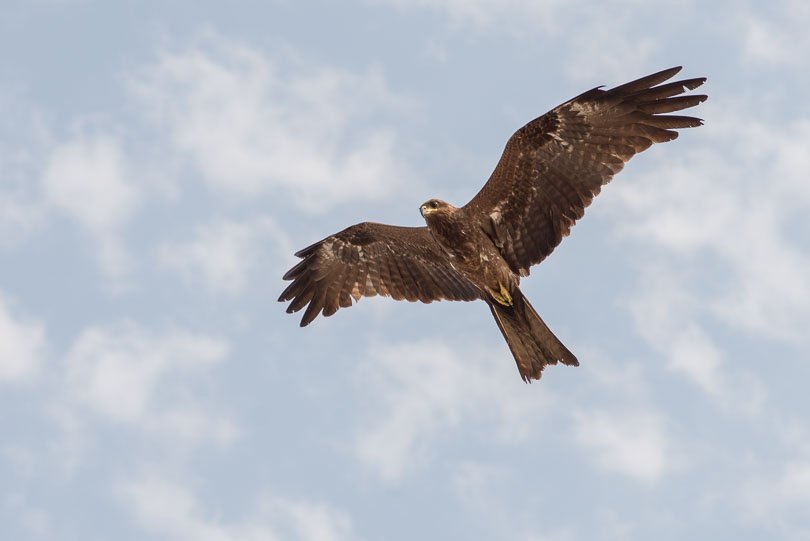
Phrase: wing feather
[553,167]
[371,259]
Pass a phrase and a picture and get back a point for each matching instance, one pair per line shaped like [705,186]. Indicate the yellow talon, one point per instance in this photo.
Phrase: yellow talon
[506,295]
[503,297]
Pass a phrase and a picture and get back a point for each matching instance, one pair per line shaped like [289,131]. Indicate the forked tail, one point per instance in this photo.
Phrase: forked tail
[531,341]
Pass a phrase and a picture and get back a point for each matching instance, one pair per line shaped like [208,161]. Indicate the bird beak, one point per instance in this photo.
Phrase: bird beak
[422,211]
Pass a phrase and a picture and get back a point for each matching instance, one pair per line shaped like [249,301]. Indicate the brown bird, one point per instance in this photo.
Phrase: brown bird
[549,172]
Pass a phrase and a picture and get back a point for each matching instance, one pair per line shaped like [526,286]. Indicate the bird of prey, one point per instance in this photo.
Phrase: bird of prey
[548,174]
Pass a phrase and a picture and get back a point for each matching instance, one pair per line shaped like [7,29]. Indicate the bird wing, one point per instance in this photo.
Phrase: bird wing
[371,259]
[555,165]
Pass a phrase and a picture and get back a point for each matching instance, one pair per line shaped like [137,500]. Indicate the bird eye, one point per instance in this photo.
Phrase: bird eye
[434,204]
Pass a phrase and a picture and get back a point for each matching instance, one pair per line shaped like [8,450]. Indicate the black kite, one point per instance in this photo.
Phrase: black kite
[549,172]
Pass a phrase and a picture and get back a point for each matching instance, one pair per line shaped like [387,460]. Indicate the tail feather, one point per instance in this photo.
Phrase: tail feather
[532,343]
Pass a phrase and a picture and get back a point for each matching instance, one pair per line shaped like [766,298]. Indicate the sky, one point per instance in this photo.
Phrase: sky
[160,163]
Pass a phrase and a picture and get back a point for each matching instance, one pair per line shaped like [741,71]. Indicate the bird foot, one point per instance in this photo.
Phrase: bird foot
[502,297]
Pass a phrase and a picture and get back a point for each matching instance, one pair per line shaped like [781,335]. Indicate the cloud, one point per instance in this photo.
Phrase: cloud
[473,482]
[480,488]
[619,426]
[224,255]
[609,52]
[775,36]
[777,499]
[717,201]
[629,443]
[600,40]
[89,180]
[172,511]
[425,389]
[720,229]
[19,214]
[22,345]
[665,312]
[34,521]
[555,535]
[255,125]
[22,139]
[486,13]
[135,377]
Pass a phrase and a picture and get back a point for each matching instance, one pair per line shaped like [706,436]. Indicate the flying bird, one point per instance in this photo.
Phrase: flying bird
[548,174]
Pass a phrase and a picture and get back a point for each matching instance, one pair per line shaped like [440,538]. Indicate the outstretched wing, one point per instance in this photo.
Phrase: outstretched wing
[553,166]
[371,259]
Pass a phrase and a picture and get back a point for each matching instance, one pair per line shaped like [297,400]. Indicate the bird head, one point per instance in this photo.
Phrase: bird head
[432,206]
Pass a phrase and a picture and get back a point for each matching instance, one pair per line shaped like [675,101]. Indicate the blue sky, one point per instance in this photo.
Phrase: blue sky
[161,162]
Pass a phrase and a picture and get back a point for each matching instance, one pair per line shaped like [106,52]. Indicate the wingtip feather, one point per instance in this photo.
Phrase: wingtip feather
[646,82]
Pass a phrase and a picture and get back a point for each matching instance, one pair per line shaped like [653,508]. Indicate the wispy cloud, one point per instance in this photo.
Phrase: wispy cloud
[667,314]
[629,443]
[255,125]
[35,521]
[598,44]
[738,205]
[172,511]
[486,13]
[224,255]
[88,179]
[22,345]
[118,373]
[734,202]
[23,142]
[425,389]
[776,496]
[775,35]
[605,51]
[186,162]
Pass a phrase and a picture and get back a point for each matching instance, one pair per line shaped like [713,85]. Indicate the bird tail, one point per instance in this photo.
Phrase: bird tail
[532,343]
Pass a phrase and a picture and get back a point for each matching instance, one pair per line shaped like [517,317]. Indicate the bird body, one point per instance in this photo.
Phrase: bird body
[473,253]
[470,251]
[549,172]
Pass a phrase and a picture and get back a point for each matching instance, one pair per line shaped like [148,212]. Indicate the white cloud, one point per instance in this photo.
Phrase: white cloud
[19,214]
[609,52]
[194,423]
[601,40]
[22,345]
[665,312]
[485,13]
[22,138]
[555,535]
[629,443]
[775,35]
[696,355]
[224,255]
[88,179]
[309,521]
[661,309]
[426,388]
[252,124]
[33,520]
[20,459]
[740,205]
[618,426]
[777,499]
[173,512]
[479,485]
[118,372]
[721,229]
[622,379]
